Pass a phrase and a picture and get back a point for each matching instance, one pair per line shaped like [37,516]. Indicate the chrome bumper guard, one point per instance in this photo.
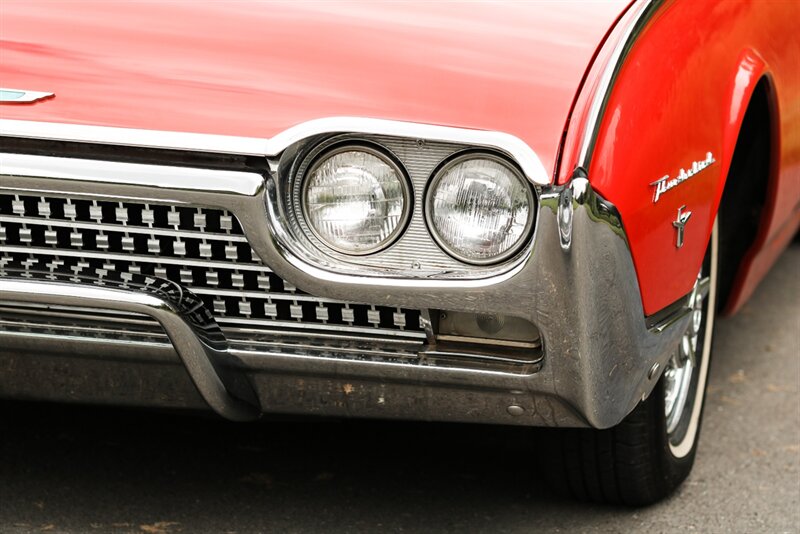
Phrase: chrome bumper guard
[189,326]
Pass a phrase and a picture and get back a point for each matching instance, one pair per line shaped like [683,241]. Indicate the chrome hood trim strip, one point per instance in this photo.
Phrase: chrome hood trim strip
[517,149]
[135,174]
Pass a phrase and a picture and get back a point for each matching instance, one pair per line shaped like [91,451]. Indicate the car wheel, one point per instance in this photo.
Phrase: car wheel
[645,457]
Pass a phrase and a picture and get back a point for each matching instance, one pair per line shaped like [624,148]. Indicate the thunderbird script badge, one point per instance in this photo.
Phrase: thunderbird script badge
[666,183]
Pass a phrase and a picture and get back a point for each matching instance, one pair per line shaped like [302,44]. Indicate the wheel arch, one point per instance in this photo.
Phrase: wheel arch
[748,186]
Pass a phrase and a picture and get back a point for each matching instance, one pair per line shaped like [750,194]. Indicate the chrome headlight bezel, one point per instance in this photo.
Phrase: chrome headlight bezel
[442,170]
[318,159]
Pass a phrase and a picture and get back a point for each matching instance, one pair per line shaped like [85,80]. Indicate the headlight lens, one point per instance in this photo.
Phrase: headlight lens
[356,199]
[479,208]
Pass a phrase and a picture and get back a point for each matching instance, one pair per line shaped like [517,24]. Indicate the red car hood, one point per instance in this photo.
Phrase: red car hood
[255,69]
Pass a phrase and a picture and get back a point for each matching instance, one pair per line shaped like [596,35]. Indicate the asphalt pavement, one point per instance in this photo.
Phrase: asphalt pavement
[88,469]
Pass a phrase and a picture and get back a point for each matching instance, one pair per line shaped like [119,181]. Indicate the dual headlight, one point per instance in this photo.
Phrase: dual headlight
[357,200]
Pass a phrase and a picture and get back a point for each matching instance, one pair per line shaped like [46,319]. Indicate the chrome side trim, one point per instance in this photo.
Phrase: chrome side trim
[666,315]
[517,149]
[646,10]
[190,327]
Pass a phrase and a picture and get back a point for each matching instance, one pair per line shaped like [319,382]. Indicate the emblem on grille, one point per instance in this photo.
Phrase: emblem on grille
[666,183]
[21,96]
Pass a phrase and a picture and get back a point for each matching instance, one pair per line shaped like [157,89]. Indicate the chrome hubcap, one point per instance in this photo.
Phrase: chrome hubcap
[678,374]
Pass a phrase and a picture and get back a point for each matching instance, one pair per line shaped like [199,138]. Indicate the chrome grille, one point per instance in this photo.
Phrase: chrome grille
[201,248]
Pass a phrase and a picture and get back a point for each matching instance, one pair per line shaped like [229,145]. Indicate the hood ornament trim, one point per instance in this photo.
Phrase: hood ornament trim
[22,96]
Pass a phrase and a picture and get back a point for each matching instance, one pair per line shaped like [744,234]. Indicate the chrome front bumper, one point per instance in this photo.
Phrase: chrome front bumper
[576,282]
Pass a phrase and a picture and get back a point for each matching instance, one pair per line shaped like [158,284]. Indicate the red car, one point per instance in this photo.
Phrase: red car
[517,214]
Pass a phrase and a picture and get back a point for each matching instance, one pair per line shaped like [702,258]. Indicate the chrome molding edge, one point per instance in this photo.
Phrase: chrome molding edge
[109,135]
[645,11]
[138,175]
[517,149]
[664,318]
[509,144]
[191,329]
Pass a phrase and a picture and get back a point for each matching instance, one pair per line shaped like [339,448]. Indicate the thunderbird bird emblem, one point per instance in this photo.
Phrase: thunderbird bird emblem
[666,183]
[680,225]
[21,96]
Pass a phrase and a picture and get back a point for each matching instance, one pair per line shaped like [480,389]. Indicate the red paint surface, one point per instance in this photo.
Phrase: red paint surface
[248,69]
[256,69]
[682,93]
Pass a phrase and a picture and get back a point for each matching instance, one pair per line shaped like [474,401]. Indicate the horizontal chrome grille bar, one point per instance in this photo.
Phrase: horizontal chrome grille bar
[59,223]
[133,258]
[17,321]
[336,328]
[292,297]
[234,328]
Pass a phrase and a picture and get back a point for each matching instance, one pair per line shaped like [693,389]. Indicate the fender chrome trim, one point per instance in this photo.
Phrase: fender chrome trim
[646,10]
